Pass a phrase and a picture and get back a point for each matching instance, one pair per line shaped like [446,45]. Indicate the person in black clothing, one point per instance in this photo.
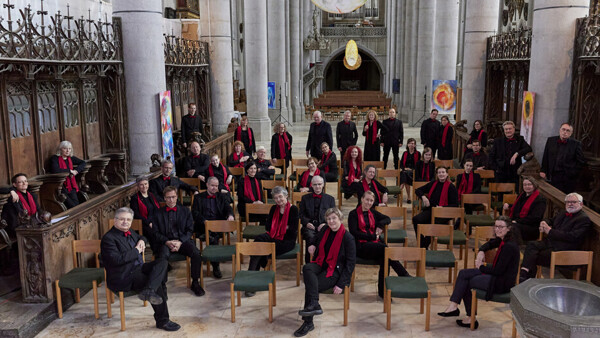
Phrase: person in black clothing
[352,170]
[65,162]
[346,134]
[563,159]
[221,172]
[122,252]
[305,180]
[507,153]
[437,193]
[245,134]
[565,232]
[366,225]
[211,205]
[281,144]
[144,205]
[371,131]
[408,162]
[20,199]
[527,212]
[495,278]
[159,184]
[429,131]
[477,155]
[477,134]
[319,132]
[328,164]
[312,211]
[239,156]
[393,137]
[369,183]
[425,168]
[173,227]
[445,135]
[264,169]
[196,163]
[468,182]
[190,124]
[249,191]
[334,258]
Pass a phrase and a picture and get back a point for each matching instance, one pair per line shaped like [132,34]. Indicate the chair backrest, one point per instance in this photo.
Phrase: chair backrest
[254,249]
[484,199]
[394,212]
[376,164]
[136,225]
[572,258]
[237,171]
[299,162]
[485,174]
[417,208]
[225,227]
[448,212]
[194,182]
[436,230]
[405,254]
[86,246]
[394,173]
[509,198]
[257,209]
[444,163]
[297,197]
[279,163]
[502,187]
[269,185]
[482,233]
[453,173]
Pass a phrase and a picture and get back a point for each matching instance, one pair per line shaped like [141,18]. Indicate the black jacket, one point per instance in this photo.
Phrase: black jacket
[243,199]
[223,210]
[504,273]
[568,233]
[199,164]
[150,202]
[232,163]
[499,159]
[445,152]
[475,136]
[421,175]
[567,158]
[479,160]
[346,257]
[78,164]
[307,209]
[536,211]
[158,184]
[184,221]
[262,169]
[118,258]
[291,234]
[393,132]
[360,191]
[190,125]
[434,200]
[381,129]
[346,135]
[218,173]
[245,138]
[410,160]
[476,182]
[275,153]
[429,129]
[331,163]
[11,210]
[380,221]
[318,135]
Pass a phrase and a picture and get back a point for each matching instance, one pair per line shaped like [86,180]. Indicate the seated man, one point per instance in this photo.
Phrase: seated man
[565,232]
[480,159]
[196,163]
[312,211]
[173,226]
[264,169]
[209,206]
[122,252]
[158,184]
[221,172]
[20,200]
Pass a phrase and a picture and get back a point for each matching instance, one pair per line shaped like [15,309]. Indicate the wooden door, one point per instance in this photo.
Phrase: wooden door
[20,123]
[90,113]
[46,95]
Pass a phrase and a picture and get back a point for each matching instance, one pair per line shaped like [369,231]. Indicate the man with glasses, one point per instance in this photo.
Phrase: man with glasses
[565,232]
[312,211]
[158,184]
[20,200]
[563,159]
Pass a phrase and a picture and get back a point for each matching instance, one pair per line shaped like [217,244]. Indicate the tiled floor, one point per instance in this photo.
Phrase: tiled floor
[210,315]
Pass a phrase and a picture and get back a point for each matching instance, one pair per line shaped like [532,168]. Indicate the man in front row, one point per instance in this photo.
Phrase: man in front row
[122,251]
[566,232]
[312,211]
[173,233]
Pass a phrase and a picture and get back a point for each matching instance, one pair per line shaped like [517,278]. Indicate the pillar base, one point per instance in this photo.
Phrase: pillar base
[262,128]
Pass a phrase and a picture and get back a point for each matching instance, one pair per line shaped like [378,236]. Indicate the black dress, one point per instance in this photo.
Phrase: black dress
[408,163]
[424,172]
[445,143]
[276,151]
[372,151]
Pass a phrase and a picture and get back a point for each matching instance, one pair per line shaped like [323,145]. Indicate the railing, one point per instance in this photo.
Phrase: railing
[354,31]
[515,45]
[183,52]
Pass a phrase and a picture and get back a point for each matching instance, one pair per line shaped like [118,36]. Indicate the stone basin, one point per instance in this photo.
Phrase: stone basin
[568,300]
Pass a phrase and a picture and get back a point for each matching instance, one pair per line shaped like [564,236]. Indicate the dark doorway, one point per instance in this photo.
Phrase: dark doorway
[366,77]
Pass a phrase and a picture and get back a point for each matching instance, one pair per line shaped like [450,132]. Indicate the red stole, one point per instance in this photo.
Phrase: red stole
[70,182]
[304,182]
[283,142]
[142,206]
[405,156]
[498,253]
[279,222]
[480,134]
[423,170]
[361,222]
[325,159]
[334,250]
[211,173]
[28,205]
[366,188]
[237,157]
[248,191]
[466,184]
[445,133]
[443,196]
[526,206]
[238,135]
[374,129]
[351,175]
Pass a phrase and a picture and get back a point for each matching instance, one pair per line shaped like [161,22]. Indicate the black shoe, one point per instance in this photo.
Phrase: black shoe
[311,310]
[198,290]
[304,329]
[460,323]
[217,271]
[169,326]
[249,294]
[408,201]
[454,313]
[150,296]
[524,276]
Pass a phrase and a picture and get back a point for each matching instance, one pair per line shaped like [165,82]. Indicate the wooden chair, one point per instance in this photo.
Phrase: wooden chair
[280,163]
[346,294]
[435,258]
[296,253]
[480,233]
[453,173]
[500,188]
[484,219]
[444,163]
[269,185]
[507,198]
[194,182]
[295,163]
[81,277]
[394,235]
[486,177]
[298,175]
[376,164]
[392,189]
[460,236]
[220,253]
[236,172]
[406,287]
[417,205]
[570,258]
[254,281]
[297,197]
[251,231]
[340,178]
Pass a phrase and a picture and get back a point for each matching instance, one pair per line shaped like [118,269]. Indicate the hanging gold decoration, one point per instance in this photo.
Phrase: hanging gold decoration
[358,62]
[338,6]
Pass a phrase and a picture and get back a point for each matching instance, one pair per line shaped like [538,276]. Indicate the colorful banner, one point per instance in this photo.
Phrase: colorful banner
[166,125]
[443,97]
[527,115]
[271,95]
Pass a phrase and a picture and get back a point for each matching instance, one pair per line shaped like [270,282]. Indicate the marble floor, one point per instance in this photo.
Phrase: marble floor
[210,315]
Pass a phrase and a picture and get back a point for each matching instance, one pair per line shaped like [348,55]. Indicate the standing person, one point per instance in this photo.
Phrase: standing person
[369,183]
[190,124]
[319,132]
[328,164]
[21,200]
[196,163]
[158,185]
[527,212]
[352,170]
[445,137]
[425,168]
[393,137]
[312,211]
[408,163]
[563,159]
[371,130]
[346,134]
[65,162]
[245,134]
[429,130]
[507,154]
[281,144]
[477,134]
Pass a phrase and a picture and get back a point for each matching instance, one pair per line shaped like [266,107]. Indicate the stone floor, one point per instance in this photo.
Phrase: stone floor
[210,315]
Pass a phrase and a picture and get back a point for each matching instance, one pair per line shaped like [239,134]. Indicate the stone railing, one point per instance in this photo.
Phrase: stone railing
[354,31]
[313,74]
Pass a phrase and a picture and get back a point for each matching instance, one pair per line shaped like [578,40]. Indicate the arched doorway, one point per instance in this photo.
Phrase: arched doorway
[366,77]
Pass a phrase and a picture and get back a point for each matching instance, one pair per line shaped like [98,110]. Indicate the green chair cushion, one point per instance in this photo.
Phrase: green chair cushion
[407,287]
[253,280]
[280,177]
[395,236]
[177,257]
[186,200]
[440,259]
[81,278]
[498,298]
[218,253]
[366,261]
[497,205]
[485,190]
[394,190]
[459,238]
[292,177]
[290,254]
[479,220]
[251,231]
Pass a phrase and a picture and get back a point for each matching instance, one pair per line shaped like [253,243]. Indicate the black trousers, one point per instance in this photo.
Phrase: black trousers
[406,177]
[563,183]
[153,275]
[536,253]
[372,152]
[188,249]
[425,218]
[315,281]
[508,175]
[386,153]
[525,232]
[281,247]
[72,199]
[376,251]
[331,176]
[310,237]
[466,280]
[342,153]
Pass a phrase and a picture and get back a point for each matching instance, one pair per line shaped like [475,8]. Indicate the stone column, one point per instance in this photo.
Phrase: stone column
[144,63]
[410,57]
[481,21]
[398,53]
[550,67]
[445,41]
[424,66]
[295,45]
[277,55]
[215,20]
[255,12]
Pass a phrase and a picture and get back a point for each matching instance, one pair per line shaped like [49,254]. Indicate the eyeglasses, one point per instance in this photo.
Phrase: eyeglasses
[571,202]
[124,219]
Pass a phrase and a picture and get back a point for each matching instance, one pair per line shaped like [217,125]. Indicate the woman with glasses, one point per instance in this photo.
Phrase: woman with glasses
[527,212]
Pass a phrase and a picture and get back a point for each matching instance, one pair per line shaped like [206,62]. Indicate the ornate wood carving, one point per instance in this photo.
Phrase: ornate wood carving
[33,276]
[96,178]
[116,169]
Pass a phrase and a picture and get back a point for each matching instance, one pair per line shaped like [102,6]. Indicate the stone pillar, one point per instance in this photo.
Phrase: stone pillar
[481,21]
[215,19]
[424,59]
[295,75]
[398,53]
[445,41]
[550,67]
[255,12]
[277,56]
[410,57]
[144,63]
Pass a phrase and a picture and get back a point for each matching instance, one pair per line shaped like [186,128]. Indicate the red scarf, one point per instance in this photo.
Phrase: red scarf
[212,173]
[526,206]
[304,183]
[279,222]
[466,184]
[237,157]
[405,156]
[366,188]
[498,253]
[423,170]
[70,182]
[443,196]
[29,205]
[142,206]
[248,191]
[445,133]
[351,175]
[334,250]
[238,135]
[374,129]
[480,134]
[283,142]
[361,222]
[325,159]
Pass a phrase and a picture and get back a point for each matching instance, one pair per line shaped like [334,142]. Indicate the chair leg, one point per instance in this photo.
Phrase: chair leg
[122,308]
[112,297]
[298,258]
[538,274]
[466,247]
[449,275]
[58,300]
[95,292]
[352,281]
[77,296]
[428,314]
[455,273]
[108,305]
[201,275]
[473,308]
[422,306]
[271,302]
[460,252]
[346,304]
[388,306]
[275,293]
[232,303]
[239,298]
[207,269]
[189,272]
[514,329]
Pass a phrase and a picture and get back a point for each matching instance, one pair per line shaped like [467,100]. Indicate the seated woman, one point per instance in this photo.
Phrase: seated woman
[334,257]
[527,212]
[221,172]
[328,164]
[65,162]
[20,200]
[238,158]
[437,193]
[369,183]
[249,190]
[498,277]
[352,170]
[468,183]
[425,168]
[281,144]
[144,204]
[366,225]
[282,229]
[407,163]
[304,181]
[445,136]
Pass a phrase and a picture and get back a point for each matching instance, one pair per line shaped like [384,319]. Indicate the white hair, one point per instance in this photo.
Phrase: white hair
[574,194]
[317,178]
[261,148]
[64,144]
[123,210]
[317,113]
